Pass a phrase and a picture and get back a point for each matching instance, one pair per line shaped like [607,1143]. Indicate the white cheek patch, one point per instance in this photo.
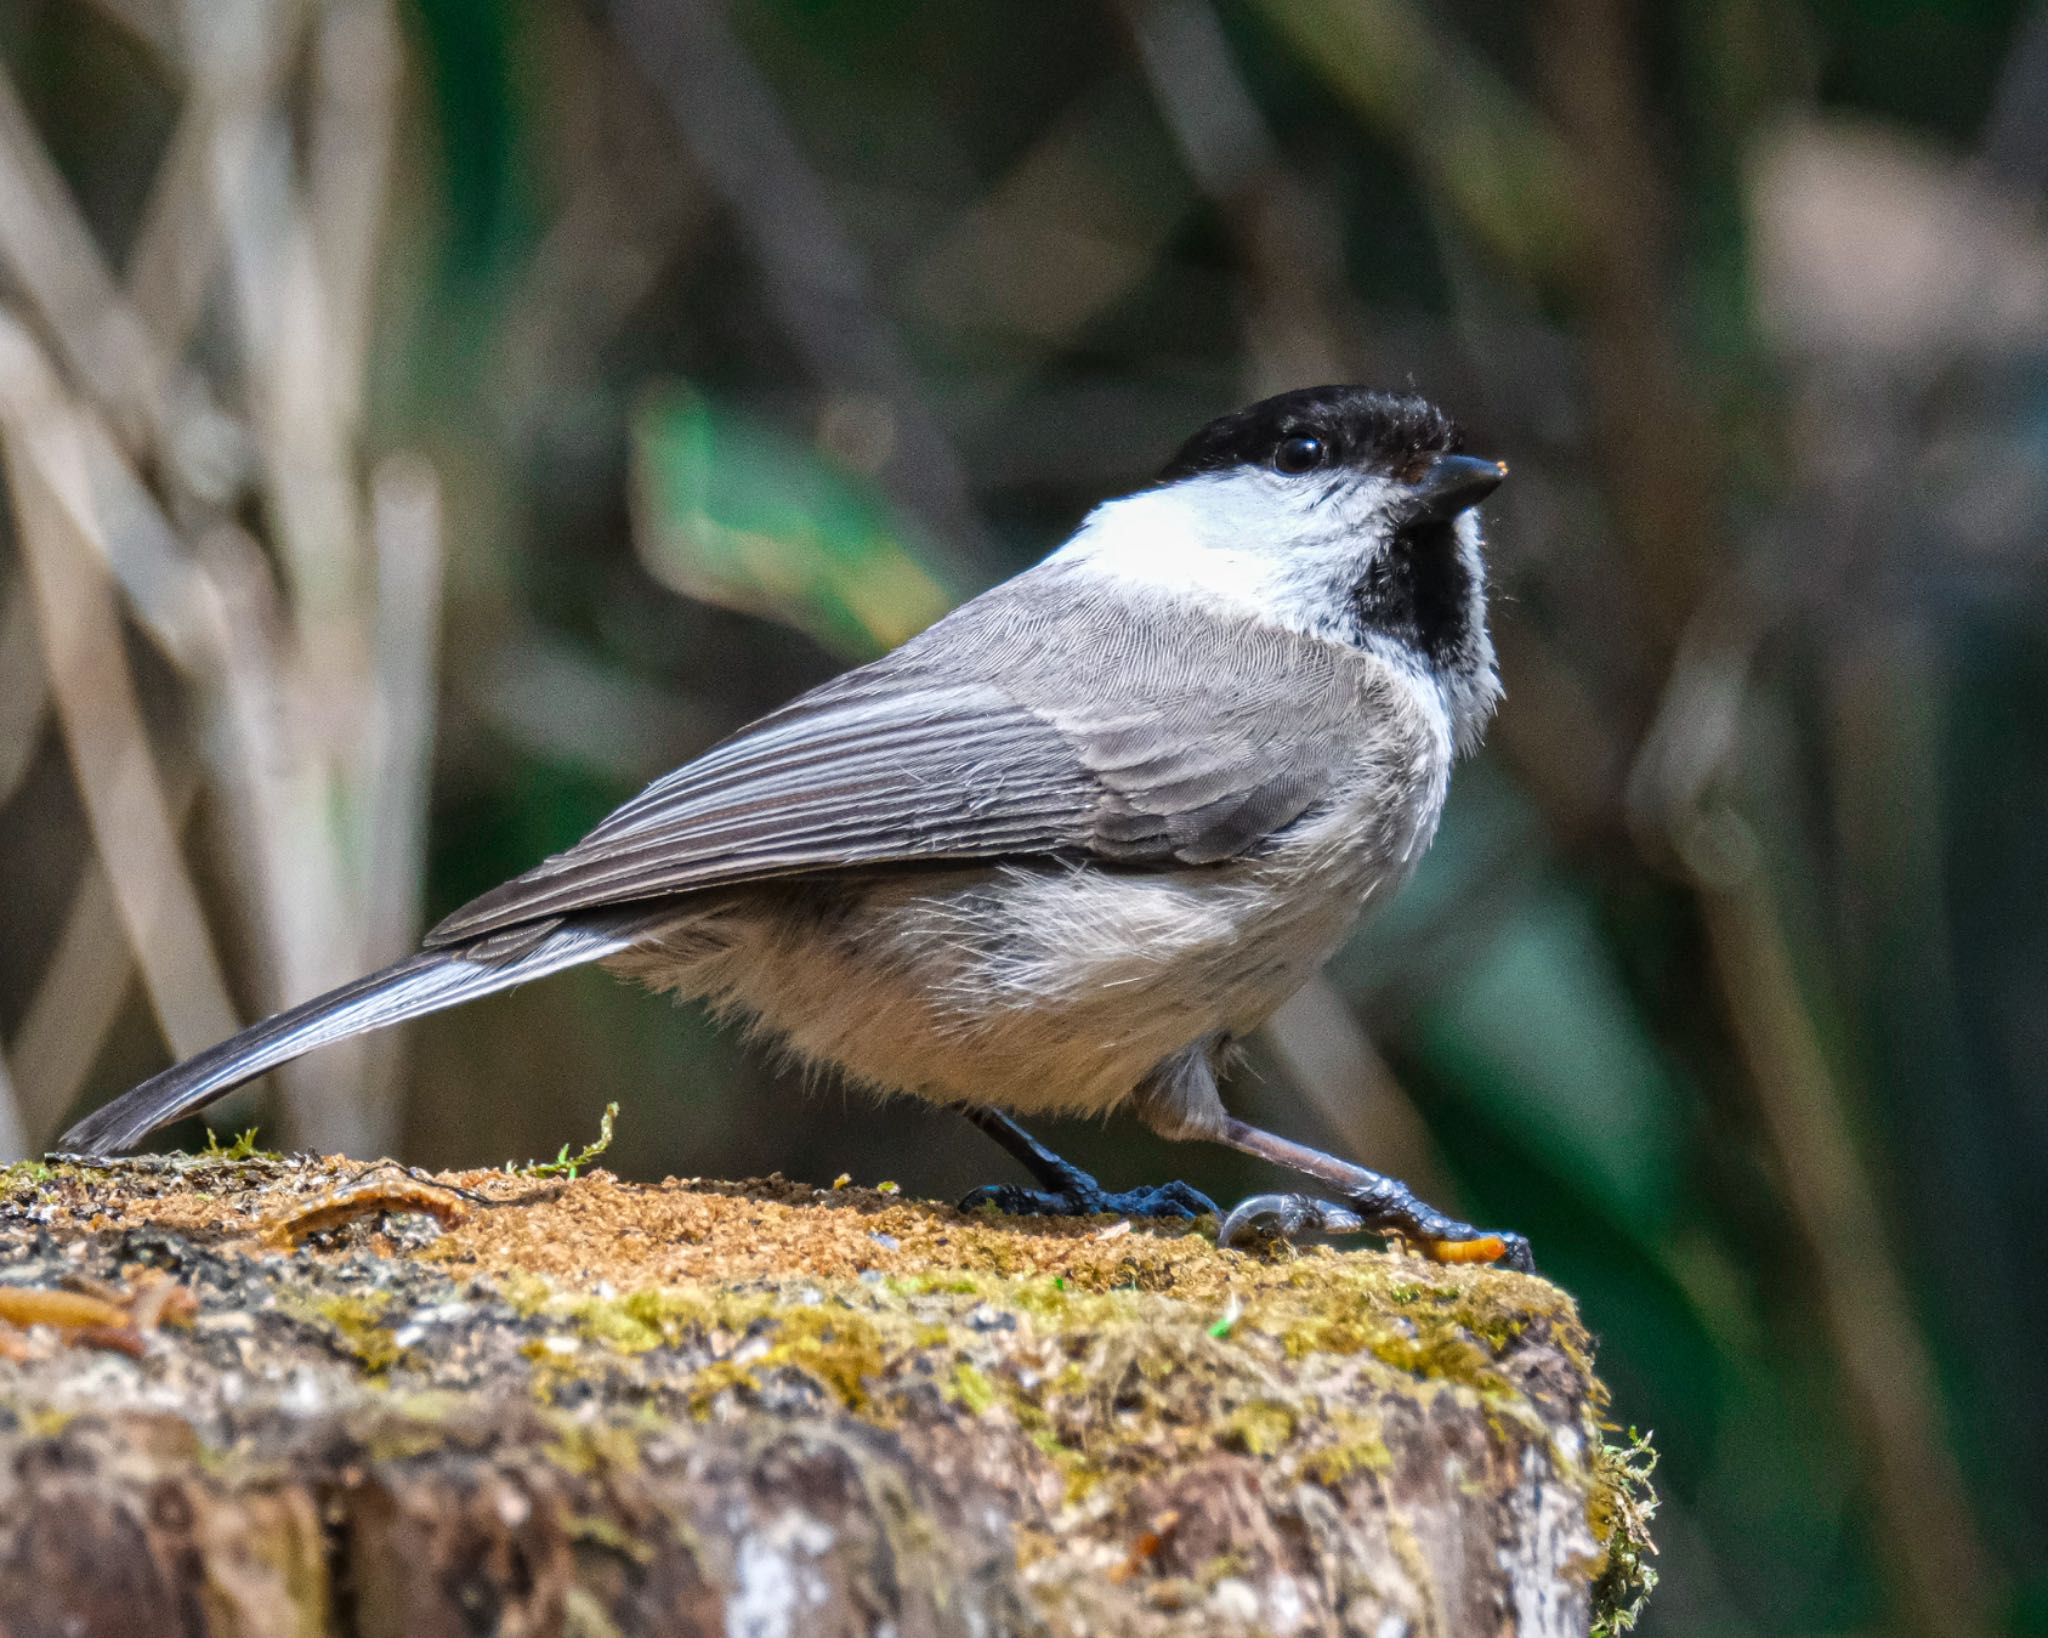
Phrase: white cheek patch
[1167,540]
[1282,550]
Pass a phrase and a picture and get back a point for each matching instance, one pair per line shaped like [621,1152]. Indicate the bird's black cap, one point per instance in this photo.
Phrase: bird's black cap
[1363,429]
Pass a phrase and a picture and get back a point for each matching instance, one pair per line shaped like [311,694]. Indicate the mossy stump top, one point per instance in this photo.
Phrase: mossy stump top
[260,1395]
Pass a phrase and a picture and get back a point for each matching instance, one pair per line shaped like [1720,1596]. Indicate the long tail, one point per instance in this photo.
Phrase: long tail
[420,984]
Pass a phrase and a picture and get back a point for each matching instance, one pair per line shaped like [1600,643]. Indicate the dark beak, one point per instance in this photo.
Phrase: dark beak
[1451,484]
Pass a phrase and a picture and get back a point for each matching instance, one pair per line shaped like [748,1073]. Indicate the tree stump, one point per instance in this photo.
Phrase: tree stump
[255,1395]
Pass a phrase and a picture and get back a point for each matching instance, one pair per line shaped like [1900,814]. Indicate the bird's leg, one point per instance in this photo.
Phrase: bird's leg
[1371,1203]
[1064,1189]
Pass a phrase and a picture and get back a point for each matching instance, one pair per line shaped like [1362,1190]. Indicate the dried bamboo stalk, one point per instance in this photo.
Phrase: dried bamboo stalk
[97,707]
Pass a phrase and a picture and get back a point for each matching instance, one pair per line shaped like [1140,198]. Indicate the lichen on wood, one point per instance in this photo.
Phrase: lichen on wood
[586,1405]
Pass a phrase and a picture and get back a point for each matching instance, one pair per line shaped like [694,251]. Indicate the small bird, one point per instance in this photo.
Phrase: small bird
[1058,852]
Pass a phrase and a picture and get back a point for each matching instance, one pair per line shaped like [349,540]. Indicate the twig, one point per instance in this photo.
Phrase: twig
[25,697]
[164,588]
[285,321]
[405,532]
[348,163]
[301,261]
[1895,1400]
[627,211]
[1649,429]
[75,1006]
[235,77]
[14,1143]
[279,801]
[84,985]
[49,252]
[97,708]
[405,526]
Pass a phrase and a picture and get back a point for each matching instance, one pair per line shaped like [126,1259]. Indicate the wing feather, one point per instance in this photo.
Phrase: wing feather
[965,744]
[840,779]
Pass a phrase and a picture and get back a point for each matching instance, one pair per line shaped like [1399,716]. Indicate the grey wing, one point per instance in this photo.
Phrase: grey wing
[915,758]
[848,777]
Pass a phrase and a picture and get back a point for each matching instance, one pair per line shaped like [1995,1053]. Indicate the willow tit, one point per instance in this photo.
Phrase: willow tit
[1057,853]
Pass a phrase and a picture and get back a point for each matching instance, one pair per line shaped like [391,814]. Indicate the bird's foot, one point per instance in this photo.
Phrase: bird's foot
[1266,1218]
[1081,1196]
[1067,1191]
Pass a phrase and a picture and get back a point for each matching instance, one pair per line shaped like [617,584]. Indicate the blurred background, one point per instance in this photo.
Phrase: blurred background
[424,421]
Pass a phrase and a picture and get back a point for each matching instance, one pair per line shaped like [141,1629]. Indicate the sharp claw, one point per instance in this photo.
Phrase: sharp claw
[1268,1217]
[1184,1197]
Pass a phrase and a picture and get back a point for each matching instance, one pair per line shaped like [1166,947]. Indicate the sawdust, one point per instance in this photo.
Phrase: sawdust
[695,1238]
[599,1229]
[684,1231]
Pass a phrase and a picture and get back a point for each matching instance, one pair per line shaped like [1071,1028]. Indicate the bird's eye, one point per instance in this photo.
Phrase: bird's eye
[1296,455]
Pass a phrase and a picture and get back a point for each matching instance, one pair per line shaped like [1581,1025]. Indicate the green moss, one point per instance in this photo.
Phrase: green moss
[565,1164]
[357,1323]
[241,1147]
[972,1388]
[404,1436]
[584,1448]
[1450,1332]
[24,1177]
[632,1324]
[1258,1429]
[1355,1452]
[715,1381]
[841,1348]
[613,1538]
[1107,1382]
[1048,1299]
[584,1615]
[948,1284]
[28,1180]
[1121,1358]
[1129,1395]
[527,1295]
[1619,1510]
[838,1345]
[43,1422]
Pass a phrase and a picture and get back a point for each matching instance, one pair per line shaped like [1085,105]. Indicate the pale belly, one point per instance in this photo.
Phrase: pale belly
[1043,988]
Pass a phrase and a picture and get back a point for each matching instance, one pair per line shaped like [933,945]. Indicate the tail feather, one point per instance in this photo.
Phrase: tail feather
[420,984]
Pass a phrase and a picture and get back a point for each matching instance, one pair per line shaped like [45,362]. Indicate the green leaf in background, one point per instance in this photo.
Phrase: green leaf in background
[1541,1028]
[732,511]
